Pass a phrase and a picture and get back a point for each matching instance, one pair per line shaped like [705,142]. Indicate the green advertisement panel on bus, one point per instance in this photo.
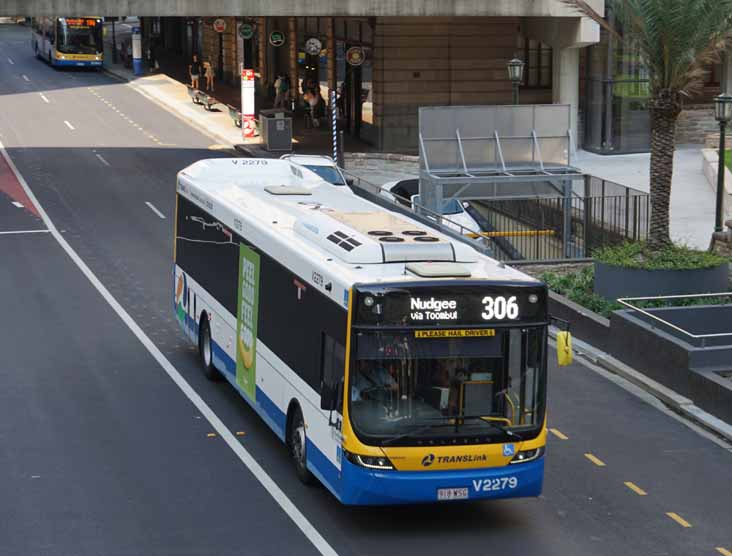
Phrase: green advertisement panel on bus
[246,321]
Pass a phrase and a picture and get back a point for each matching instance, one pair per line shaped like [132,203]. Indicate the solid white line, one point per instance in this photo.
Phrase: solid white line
[103,160]
[15,232]
[156,211]
[45,99]
[10,61]
[17,204]
[72,128]
[236,446]
[25,77]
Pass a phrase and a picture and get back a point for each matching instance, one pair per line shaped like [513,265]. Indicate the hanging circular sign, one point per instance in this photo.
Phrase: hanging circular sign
[276,38]
[219,25]
[246,31]
[355,56]
[313,46]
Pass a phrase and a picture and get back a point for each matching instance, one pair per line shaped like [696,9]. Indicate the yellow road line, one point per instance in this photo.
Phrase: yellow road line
[635,488]
[678,519]
[240,433]
[211,434]
[594,459]
[559,434]
[724,551]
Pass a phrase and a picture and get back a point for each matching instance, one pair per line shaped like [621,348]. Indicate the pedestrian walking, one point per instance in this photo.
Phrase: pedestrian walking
[209,74]
[194,70]
[282,89]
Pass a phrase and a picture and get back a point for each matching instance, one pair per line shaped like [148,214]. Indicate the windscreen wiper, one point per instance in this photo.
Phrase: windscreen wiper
[493,424]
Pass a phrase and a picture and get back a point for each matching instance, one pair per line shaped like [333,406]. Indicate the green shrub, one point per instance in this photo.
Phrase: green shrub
[673,257]
[578,287]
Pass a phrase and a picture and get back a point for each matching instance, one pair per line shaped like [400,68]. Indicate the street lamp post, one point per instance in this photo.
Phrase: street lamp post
[516,75]
[723,114]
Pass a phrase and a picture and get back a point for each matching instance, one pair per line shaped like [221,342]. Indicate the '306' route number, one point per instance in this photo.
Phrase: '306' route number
[500,308]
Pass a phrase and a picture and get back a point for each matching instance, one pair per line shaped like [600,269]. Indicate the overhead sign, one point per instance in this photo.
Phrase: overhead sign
[277,38]
[246,31]
[355,56]
[313,46]
[219,25]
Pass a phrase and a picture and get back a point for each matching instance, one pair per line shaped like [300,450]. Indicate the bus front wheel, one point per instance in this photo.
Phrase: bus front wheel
[205,350]
[297,445]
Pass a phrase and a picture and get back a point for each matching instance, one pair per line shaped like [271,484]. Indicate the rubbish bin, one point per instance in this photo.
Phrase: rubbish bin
[276,129]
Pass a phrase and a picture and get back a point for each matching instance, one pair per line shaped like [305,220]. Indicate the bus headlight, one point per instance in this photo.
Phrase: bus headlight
[527,455]
[370,462]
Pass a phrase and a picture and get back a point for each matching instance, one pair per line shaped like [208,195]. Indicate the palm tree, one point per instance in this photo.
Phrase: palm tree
[677,40]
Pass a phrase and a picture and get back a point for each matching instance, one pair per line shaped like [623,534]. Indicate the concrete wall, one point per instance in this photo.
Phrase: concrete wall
[437,62]
[506,8]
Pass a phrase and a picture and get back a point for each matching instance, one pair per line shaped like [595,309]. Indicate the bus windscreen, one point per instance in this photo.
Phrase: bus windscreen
[417,384]
[79,35]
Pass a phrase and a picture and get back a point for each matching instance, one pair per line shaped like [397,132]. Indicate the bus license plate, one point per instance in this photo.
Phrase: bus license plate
[452,493]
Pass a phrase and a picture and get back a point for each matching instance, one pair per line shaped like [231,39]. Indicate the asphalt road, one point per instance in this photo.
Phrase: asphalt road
[101,453]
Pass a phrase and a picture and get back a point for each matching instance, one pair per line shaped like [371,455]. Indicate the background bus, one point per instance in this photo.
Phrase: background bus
[68,41]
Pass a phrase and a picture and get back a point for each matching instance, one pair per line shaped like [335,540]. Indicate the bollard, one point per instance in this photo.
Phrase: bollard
[137,51]
[334,124]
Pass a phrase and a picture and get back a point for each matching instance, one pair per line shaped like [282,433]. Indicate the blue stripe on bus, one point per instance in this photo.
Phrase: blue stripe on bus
[372,487]
[75,63]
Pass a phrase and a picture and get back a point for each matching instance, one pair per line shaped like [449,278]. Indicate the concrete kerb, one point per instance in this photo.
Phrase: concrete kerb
[676,402]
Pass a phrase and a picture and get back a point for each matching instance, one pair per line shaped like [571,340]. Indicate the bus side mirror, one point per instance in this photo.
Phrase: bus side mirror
[330,396]
[564,348]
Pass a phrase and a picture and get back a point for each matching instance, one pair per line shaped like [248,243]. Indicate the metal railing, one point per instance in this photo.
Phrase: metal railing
[544,228]
[555,227]
[627,303]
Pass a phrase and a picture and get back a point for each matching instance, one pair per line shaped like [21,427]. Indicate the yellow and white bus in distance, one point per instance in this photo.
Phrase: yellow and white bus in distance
[68,41]
[398,364]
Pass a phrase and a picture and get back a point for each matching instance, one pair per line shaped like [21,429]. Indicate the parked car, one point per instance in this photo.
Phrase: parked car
[406,192]
[321,165]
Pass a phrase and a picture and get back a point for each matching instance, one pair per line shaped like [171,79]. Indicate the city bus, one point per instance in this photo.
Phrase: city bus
[68,41]
[395,362]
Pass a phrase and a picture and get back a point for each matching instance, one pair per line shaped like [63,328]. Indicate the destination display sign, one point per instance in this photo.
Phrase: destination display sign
[80,22]
[469,305]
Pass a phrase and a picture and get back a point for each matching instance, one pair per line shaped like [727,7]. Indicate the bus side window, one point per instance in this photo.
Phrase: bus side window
[332,369]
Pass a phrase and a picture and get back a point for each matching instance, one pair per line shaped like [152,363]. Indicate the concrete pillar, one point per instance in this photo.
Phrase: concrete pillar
[262,52]
[292,47]
[330,27]
[566,84]
[726,78]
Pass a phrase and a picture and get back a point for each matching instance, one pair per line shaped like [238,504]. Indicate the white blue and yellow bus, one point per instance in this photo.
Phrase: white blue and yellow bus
[397,363]
[68,41]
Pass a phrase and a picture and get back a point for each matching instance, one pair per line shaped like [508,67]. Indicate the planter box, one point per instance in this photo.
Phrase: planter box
[614,282]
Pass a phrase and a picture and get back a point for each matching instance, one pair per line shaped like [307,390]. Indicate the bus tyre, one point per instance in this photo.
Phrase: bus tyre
[205,350]
[297,445]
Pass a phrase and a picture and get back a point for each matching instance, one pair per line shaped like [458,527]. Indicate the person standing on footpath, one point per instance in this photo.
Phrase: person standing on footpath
[194,70]
[209,75]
